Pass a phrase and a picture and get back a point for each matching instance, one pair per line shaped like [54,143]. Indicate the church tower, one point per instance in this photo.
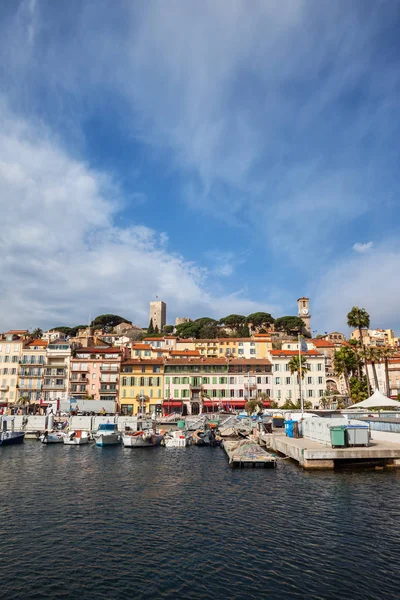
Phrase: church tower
[303,311]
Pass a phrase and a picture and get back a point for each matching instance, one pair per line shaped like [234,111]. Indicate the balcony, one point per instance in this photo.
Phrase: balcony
[54,386]
[196,386]
[106,391]
[4,388]
[56,364]
[54,372]
[79,380]
[76,369]
[23,386]
[250,386]
[25,373]
[112,369]
[104,381]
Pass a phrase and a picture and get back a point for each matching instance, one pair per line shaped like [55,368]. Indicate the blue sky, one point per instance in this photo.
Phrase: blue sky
[228,157]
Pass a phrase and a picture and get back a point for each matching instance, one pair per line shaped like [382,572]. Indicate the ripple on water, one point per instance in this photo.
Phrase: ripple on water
[118,523]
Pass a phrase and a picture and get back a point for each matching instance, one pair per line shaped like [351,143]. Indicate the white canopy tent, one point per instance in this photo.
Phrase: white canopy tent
[377,400]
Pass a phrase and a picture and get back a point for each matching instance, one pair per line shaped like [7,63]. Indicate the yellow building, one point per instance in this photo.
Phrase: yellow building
[141,386]
[11,344]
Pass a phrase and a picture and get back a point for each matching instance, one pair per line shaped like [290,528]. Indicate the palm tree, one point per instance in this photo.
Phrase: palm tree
[386,353]
[359,318]
[371,355]
[345,362]
[298,364]
[37,333]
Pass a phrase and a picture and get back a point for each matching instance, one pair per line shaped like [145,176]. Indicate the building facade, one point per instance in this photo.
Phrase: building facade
[141,386]
[303,311]
[376,337]
[94,373]
[31,371]
[56,371]
[11,345]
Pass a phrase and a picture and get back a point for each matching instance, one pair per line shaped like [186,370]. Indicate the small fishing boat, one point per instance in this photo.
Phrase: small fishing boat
[107,435]
[143,439]
[76,437]
[206,438]
[177,439]
[8,436]
[52,437]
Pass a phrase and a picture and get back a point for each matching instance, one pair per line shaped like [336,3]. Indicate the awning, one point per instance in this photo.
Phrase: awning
[172,403]
[211,403]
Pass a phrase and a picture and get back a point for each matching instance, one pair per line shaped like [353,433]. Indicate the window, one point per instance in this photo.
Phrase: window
[13,371]
[240,344]
[14,359]
[277,380]
[287,367]
[240,351]
[214,393]
[214,380]
[252,351]
[176,393]
[310,393]
[124,381]
[319,367]
[289,346]
[278,394]
[93,386]
[252,343]
[309,380]
[156,369]
[241,394]
[289,394]
[93,375]
[143,369]
[6,359]
[258,379]
[288,380]
[277,368]
[320,393]
[320,380]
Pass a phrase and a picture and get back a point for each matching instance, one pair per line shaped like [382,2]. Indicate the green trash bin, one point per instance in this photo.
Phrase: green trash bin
[338,436]
[181,424]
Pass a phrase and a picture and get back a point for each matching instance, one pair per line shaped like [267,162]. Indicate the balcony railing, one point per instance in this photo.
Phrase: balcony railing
[24,373]
[113,368]
[195,386]
[55,364]
[54,386]
[105,391]
[4,388]
[55,372]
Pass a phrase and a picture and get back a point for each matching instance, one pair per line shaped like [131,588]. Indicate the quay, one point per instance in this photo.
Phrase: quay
[313,455]
[247,453]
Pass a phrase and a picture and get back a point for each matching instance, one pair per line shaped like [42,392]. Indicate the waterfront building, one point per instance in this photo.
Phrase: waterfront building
[285,385]
[141,385]
[94,373]
[167,342]
[52,335]
[11,345]
[158,314]
[376,337]
[194,385]
[56,372]
[335,384]
[31,371]
[335,337]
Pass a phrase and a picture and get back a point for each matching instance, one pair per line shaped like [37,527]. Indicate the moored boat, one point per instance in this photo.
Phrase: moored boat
[107,435]
[8,436]
[177,439]
[142,439]
[76,438]
[52,437]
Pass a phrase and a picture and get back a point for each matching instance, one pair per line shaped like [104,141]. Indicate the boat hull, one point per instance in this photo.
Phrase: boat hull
[11,439]
[76,441]
[51,438]
[111,439]
[140,441]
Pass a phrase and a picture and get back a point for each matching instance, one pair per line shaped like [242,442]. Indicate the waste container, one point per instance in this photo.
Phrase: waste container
[338,436]
[357,435]
[289,428]
[278,421]
[181,424]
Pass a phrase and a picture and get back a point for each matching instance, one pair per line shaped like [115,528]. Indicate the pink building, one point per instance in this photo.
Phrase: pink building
[94,373]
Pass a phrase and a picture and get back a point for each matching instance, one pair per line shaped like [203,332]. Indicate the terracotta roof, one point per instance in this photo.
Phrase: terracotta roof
[196,361]
[294,353]
[111,350]
[184,353]
[143,361]
[37,342]
[154,339]
[17,331]
[141,347]
[323,343]
[249,361]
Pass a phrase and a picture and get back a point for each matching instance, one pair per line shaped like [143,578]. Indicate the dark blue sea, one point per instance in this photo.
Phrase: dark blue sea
[114,523]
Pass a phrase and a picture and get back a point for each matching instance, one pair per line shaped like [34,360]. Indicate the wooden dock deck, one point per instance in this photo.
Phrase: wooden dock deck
[247,453]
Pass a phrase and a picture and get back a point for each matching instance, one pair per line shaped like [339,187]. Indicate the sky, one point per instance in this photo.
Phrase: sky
[224,156]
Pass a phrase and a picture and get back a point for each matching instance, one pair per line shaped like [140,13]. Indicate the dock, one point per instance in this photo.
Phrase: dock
[313,455]
[247,453]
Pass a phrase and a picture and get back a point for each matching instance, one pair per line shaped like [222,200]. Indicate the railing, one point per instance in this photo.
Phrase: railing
[4,388]
[54,386]
[54,372]
[23,373]
[196,386]
[114,368]
[105,391]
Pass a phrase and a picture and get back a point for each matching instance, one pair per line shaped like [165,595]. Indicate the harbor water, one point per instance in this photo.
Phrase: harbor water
[116,523]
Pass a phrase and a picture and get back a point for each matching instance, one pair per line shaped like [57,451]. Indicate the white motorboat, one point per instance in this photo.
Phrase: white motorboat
[143,439]
[76,438]
[52,437]
[177,439]
[107,435]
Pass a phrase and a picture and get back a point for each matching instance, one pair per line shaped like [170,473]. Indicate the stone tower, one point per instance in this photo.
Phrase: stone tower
[158,313]
[303,311]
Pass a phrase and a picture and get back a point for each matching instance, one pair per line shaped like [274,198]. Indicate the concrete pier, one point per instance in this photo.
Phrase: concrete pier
[313,455]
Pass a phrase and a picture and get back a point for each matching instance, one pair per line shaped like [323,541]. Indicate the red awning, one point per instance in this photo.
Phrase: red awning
[172,403]
[212,403]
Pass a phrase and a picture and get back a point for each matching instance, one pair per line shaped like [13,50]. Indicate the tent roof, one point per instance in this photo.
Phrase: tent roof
[377,400]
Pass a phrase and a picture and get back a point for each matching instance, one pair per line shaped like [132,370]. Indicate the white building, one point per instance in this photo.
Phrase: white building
[56,372]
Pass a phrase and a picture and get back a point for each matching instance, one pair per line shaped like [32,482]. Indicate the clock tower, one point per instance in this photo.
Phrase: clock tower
[303,311]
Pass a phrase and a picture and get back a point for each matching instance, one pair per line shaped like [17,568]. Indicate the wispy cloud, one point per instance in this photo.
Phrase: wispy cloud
[362,248]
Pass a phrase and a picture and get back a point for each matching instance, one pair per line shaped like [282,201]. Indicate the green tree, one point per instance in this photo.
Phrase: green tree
[254,405]
[298,364]
[187,330]
[203,321]
[37,333]
[156,330]
[386,353]
[243,331]
[345,362]
[290,325]
[358,318]
[150,329]
[358,389]
[168,329]
[260,319]
[208,331]
[233,321]
[108,322]
[371,355]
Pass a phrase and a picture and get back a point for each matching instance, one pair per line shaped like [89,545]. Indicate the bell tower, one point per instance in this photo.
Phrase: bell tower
[303,311]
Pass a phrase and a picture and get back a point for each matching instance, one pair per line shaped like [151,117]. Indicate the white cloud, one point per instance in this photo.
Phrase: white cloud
[64,258]
[362,248]
[369,280]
